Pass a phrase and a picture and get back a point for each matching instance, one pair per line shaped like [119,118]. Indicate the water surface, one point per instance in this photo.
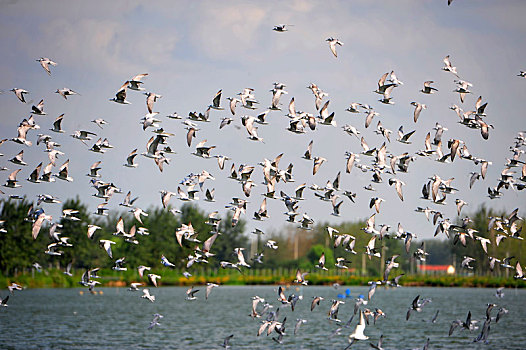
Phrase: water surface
[118,319]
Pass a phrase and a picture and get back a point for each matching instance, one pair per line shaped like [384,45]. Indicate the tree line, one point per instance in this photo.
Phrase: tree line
[297,248]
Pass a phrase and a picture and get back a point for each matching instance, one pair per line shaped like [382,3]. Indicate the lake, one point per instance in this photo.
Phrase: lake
[118,319]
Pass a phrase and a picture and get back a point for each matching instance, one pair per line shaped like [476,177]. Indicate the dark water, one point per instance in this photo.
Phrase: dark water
[118,319]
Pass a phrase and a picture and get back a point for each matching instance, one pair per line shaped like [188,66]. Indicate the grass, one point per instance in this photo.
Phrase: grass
[53,278]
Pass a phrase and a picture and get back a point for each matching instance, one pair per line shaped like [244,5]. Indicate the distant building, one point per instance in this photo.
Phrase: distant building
[436,269]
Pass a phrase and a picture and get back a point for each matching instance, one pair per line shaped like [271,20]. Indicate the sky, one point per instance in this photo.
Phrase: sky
[192,49]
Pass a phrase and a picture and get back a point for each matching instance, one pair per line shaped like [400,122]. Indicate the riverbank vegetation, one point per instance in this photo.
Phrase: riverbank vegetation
[297,249]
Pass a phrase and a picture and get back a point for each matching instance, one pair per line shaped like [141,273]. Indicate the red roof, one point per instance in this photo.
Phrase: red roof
[433,267]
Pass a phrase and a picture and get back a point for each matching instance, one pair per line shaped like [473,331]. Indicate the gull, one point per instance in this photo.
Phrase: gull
[382,87]
[463,89]
[21,138]
[468,324]
[321,263]
[484,127]
[260,118]
[351,130]
[276,95]
[57,124]
[438,135]
[91,230]
[12,181]
[398,186]
[155,321]
[120,96]
[282,27]
[37,267]
[404,138]
[137,212]
[100,122]
[371,250]
[18,159]
[20,94]
[119,265]
[499,293]
[308,153]
[82,135]
[209,287]
[460,204]
[376,201]
[233,103]
[166,263]
[13,287]
[332,44]
[151,98]
[146,295]
[333,311]
[226,341]
[369,118]
[39,108]
[190,293]
[306,222]
[94,169]
[229,265]
[354,107]
[135,82]
[45,62]
[130,159]
[241,257]
[428,89]
[141,269]
[418,109]
[63,172]
[68,214]
[300,277]
[466,261]
[379,345]
[46,198]
[153,278]
[33,177]
[106,245]
[202,151]
[518,272]
[209,195]
[336,206]
[394,79]
[318,161]
[448,67]
[299,322]
[386,98]
[340,263]
[381,130]
[358,331]
[65,92]
[101,209]
[416,306]
[502,312]
[3,302]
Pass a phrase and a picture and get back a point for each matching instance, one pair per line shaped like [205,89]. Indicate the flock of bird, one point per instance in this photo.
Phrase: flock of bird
[382,163]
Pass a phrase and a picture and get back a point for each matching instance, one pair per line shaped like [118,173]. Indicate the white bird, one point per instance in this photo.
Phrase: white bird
[147,295]
[332,44]
[20,94]
[45,62]
[106,245]
[135,82]
[358,333]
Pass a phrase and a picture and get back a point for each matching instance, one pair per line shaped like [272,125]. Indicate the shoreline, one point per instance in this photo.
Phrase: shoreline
[56,279]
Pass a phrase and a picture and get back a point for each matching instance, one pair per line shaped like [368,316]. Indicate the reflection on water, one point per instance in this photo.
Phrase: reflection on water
[118,319]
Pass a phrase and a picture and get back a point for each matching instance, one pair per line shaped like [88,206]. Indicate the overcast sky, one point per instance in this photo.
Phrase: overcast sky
[191,49]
